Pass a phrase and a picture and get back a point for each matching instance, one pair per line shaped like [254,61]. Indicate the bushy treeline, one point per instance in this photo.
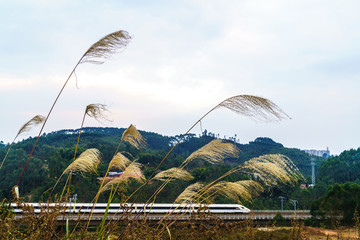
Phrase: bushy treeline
[55,152]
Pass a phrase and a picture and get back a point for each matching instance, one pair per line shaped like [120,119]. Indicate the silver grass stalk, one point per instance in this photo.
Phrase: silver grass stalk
[257,108]
[133,136]
[87,162]
[269,169]
[31,123]
[97,53]
[105,47]
[237,191]
[96,111]
[119,162]
[273,169]
[214,152]
[189,194]
[92,110]
[254,107]
[133,171]
[26,127]
[172,174]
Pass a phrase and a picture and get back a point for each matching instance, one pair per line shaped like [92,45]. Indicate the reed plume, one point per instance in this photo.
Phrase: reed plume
[119,162]
[133,136]
[26,127]
[272,169]
[257,108]
[214,152]
[97,53]
[32,122]
[87,162]
[96,111]
[132,171]
[173,173]
[238,191]
[189,194]
[105,47]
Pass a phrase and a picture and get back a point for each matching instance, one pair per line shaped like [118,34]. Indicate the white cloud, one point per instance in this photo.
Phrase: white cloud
[184,58]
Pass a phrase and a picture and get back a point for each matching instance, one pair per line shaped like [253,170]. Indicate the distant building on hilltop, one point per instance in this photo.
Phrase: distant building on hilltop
[318,153]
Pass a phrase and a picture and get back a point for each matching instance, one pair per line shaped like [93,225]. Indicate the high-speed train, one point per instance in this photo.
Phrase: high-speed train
[156,208]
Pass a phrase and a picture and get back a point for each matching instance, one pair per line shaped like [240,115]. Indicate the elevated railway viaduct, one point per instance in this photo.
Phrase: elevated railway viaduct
[256,215]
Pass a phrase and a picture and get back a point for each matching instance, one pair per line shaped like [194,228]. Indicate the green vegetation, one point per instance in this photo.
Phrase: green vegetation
[55,152]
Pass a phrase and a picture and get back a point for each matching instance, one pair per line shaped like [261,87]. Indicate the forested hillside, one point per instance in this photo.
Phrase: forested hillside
[55,152]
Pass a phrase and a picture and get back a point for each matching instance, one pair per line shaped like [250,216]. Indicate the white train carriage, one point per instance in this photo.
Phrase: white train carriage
[156,208]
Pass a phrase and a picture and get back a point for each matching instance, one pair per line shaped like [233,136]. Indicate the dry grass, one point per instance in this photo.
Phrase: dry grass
[87,162]
[255,107]
[119,162]
[269,169]
[172,174]
[188,195]
[214,152]
[132,171]
[105,47]
[26,127]
[272,169]
[32,122]
[133,136]
[96,111]
[240,191]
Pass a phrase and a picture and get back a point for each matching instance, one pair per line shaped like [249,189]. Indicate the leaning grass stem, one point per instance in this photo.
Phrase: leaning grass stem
[101,49]
[167,155]
[101,185]
[100,235]
[76,147]
[34,121]
[2,163]
[47,117]
[142,187]
[247,105]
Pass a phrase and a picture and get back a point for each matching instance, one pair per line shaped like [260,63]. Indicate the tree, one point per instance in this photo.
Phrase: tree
[340,200]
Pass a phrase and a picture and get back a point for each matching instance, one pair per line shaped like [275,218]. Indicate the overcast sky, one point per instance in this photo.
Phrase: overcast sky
[184,58]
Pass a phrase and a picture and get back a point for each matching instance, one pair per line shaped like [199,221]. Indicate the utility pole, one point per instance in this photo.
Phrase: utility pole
[282,202]
[294,202]
[312,163]
[74,197]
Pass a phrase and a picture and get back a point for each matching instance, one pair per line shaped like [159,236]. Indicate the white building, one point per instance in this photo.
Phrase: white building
[318,153]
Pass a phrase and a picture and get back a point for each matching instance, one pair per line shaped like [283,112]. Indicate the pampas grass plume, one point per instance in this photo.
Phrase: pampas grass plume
[87,162]
[174,173]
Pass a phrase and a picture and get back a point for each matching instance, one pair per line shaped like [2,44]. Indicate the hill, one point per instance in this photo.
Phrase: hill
[55,151]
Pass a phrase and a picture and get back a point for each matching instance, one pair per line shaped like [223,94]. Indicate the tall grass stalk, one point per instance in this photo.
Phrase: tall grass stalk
[132,136]
[26,127]
[255,107]
[93,110]
[97,53]
[101,229]
[196,193]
